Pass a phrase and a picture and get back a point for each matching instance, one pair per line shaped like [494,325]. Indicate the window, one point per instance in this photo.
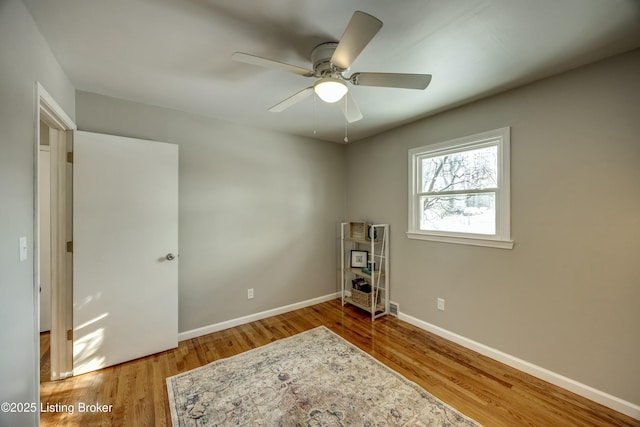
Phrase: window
[459,191]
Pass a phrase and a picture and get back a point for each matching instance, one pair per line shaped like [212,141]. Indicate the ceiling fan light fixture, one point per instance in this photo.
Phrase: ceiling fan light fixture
[330,89]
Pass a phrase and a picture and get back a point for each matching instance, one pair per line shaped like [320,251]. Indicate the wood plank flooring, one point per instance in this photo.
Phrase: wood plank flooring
[481,388]
[45,357]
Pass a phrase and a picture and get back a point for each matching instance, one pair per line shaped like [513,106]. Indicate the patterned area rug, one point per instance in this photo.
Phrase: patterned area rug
[315,378]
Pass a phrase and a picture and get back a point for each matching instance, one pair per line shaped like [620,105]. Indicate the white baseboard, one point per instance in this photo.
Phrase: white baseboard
[583,390]
[198,332]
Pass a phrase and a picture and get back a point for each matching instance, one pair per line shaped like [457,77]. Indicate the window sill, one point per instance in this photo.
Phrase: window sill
[473,241]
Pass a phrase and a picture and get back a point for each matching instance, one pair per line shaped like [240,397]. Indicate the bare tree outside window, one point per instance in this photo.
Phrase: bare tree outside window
[459,191]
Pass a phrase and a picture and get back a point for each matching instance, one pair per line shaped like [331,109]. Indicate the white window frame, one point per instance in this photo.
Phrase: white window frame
[502,237]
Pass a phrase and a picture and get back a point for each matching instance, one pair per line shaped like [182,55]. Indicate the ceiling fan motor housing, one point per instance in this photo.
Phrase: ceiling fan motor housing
[321,60]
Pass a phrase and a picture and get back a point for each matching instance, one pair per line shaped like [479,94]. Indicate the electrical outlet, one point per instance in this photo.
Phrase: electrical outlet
[250,293]
[441,304]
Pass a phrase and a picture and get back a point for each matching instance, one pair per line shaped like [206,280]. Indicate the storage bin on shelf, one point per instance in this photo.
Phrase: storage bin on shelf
[362,298]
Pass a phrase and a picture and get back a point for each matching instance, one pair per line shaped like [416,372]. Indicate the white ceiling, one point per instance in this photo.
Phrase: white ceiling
[177,53]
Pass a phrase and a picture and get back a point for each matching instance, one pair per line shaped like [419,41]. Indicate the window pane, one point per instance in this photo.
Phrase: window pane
[466,170]
[462,213]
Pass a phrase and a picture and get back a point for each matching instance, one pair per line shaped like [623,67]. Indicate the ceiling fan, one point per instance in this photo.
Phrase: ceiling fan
[330,62]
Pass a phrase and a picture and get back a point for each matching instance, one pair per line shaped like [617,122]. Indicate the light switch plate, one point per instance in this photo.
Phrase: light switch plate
[23,249]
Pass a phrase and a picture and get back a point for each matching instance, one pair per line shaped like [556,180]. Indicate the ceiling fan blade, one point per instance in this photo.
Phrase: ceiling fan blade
[356,37]
[270,63]
[350,108]
[293,99]
[405,81]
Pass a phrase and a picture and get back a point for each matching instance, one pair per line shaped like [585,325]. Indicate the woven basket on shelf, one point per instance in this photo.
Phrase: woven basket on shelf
[358,230]
[362,298]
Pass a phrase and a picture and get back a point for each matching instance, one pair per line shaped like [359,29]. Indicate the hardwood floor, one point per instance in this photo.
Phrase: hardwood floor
[45,357]
[481,388]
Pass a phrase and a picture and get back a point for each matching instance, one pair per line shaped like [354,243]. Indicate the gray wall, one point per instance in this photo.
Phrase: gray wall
[566,297]
[258,209]
[24,58]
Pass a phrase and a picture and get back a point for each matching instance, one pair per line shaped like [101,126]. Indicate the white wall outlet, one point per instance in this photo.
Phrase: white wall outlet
[441,304]
[250,293]
[23,248]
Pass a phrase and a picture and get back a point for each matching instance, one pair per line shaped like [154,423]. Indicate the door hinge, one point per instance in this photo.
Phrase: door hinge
[69,156]
[70,247]
[69,334]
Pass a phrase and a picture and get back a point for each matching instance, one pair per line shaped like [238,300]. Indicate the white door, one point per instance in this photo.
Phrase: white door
[125,247]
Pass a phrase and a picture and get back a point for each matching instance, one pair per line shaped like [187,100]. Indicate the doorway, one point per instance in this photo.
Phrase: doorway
[116,238]
[44,232]
[52,263]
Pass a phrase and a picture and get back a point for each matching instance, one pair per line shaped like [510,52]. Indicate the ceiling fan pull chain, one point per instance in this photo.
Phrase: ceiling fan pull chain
[315,118]
[346,122]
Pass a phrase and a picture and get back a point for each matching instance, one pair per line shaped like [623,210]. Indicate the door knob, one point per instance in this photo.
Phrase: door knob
[171,257]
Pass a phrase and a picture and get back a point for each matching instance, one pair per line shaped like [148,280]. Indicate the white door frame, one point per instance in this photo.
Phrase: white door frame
[44,181]
[50,112]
